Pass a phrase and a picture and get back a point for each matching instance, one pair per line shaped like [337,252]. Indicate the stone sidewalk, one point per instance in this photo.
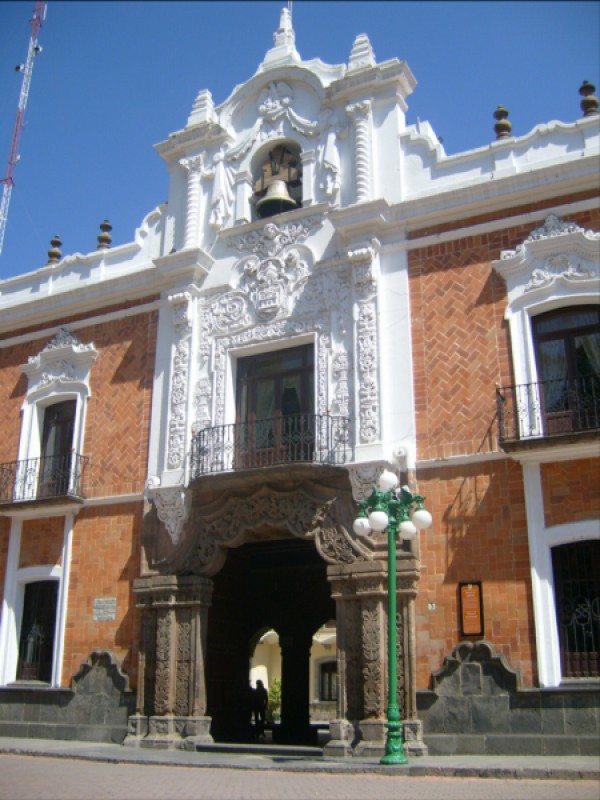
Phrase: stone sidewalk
[259,758]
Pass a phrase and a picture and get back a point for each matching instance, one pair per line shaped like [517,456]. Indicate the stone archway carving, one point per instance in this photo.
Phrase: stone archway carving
[318,508]
[304,511]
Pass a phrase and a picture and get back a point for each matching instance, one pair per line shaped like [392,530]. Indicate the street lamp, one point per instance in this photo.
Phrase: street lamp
[402,512]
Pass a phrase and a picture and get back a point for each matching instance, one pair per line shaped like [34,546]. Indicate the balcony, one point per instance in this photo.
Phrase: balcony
[546,412]
[48,479]
[292,439]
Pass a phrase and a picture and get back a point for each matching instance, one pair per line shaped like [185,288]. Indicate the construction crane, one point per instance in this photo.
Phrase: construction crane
[39,15]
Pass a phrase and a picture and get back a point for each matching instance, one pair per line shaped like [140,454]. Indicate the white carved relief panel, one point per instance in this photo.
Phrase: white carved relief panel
[276,294]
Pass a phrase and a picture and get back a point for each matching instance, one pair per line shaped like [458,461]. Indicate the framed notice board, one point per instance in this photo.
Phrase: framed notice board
[471,608]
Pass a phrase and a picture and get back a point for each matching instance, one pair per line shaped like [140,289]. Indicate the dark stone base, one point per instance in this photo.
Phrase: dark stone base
[168,732]
[478,708]
[526,745]
[95,709]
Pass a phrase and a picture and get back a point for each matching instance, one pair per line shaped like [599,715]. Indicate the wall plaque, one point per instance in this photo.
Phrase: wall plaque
[471,609]
[105,609]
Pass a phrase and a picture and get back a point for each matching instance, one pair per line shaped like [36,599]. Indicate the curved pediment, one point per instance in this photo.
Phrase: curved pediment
[559,256]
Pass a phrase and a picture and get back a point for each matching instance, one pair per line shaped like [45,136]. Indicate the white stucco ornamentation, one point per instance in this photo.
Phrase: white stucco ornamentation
[195,169]
[360,113]
[181,304]
[559,267]
[554,261]
[362,55]
[363,261]
[270,240]
[64,360]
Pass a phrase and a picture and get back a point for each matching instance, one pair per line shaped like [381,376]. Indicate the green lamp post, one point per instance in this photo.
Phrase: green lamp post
[401,512]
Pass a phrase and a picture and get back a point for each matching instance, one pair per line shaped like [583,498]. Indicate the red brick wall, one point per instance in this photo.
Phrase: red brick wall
[461,349]
[105,562]
[13,388]
[461,345]
[41,541]
[571,491]
[479,534]
[118,413]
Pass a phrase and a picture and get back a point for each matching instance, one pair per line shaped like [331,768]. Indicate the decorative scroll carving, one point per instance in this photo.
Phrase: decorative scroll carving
[367,343]
[172,507]
[184,662]
[363,478]
[563,267]
[340,367]
[402,656]
[63,360]
[272,239]
[63,338]
[553,226]
[354,676]
[162,703]
[372,648]
[179,382]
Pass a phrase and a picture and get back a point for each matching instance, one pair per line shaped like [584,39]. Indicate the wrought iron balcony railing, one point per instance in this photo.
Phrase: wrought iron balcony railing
[51,477]
[296,438]
[553,408]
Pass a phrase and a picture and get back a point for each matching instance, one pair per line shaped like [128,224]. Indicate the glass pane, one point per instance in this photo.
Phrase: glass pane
[567,320]
[290,395]
[265,410]
[37,631]
[587,354]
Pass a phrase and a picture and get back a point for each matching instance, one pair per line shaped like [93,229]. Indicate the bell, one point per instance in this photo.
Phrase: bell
[276,201]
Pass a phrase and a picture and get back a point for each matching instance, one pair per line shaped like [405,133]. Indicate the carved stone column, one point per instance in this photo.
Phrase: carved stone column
[194,167]
[360,113]
[171,697]
[360,592]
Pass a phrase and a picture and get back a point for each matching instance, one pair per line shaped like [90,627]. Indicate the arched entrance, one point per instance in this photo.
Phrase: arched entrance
[281,584]
[267,549]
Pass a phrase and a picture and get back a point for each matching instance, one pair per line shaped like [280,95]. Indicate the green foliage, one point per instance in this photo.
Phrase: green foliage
[275,696]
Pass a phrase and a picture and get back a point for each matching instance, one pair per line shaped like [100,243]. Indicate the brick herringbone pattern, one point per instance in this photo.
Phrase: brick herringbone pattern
[479,534]
[571,491]
[41,541]
[105,561]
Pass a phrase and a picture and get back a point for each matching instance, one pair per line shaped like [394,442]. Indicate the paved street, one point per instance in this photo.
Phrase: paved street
[40,778]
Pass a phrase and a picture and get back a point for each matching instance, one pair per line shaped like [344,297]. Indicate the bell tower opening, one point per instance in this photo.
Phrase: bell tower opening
[278,181]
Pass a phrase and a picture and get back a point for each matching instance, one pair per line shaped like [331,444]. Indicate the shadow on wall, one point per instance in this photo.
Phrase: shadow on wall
[95,709]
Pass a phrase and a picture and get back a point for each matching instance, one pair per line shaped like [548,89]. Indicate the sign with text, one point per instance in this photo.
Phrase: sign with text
[105,609]
[471,609]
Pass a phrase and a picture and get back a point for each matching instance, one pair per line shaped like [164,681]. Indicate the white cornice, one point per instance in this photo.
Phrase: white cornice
[460,461]
[573,451]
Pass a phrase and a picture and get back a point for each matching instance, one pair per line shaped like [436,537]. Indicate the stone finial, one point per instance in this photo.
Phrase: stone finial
[284,49]
[203,109]
[362,54]
[589,104]
[502,126]
[55,255]
[104,238]
[285,33]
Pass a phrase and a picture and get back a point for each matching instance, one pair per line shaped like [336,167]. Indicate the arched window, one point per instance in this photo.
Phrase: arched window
[576,570]
[567,346]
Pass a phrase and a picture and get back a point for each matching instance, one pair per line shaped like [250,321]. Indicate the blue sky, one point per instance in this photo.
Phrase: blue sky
[115,78]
